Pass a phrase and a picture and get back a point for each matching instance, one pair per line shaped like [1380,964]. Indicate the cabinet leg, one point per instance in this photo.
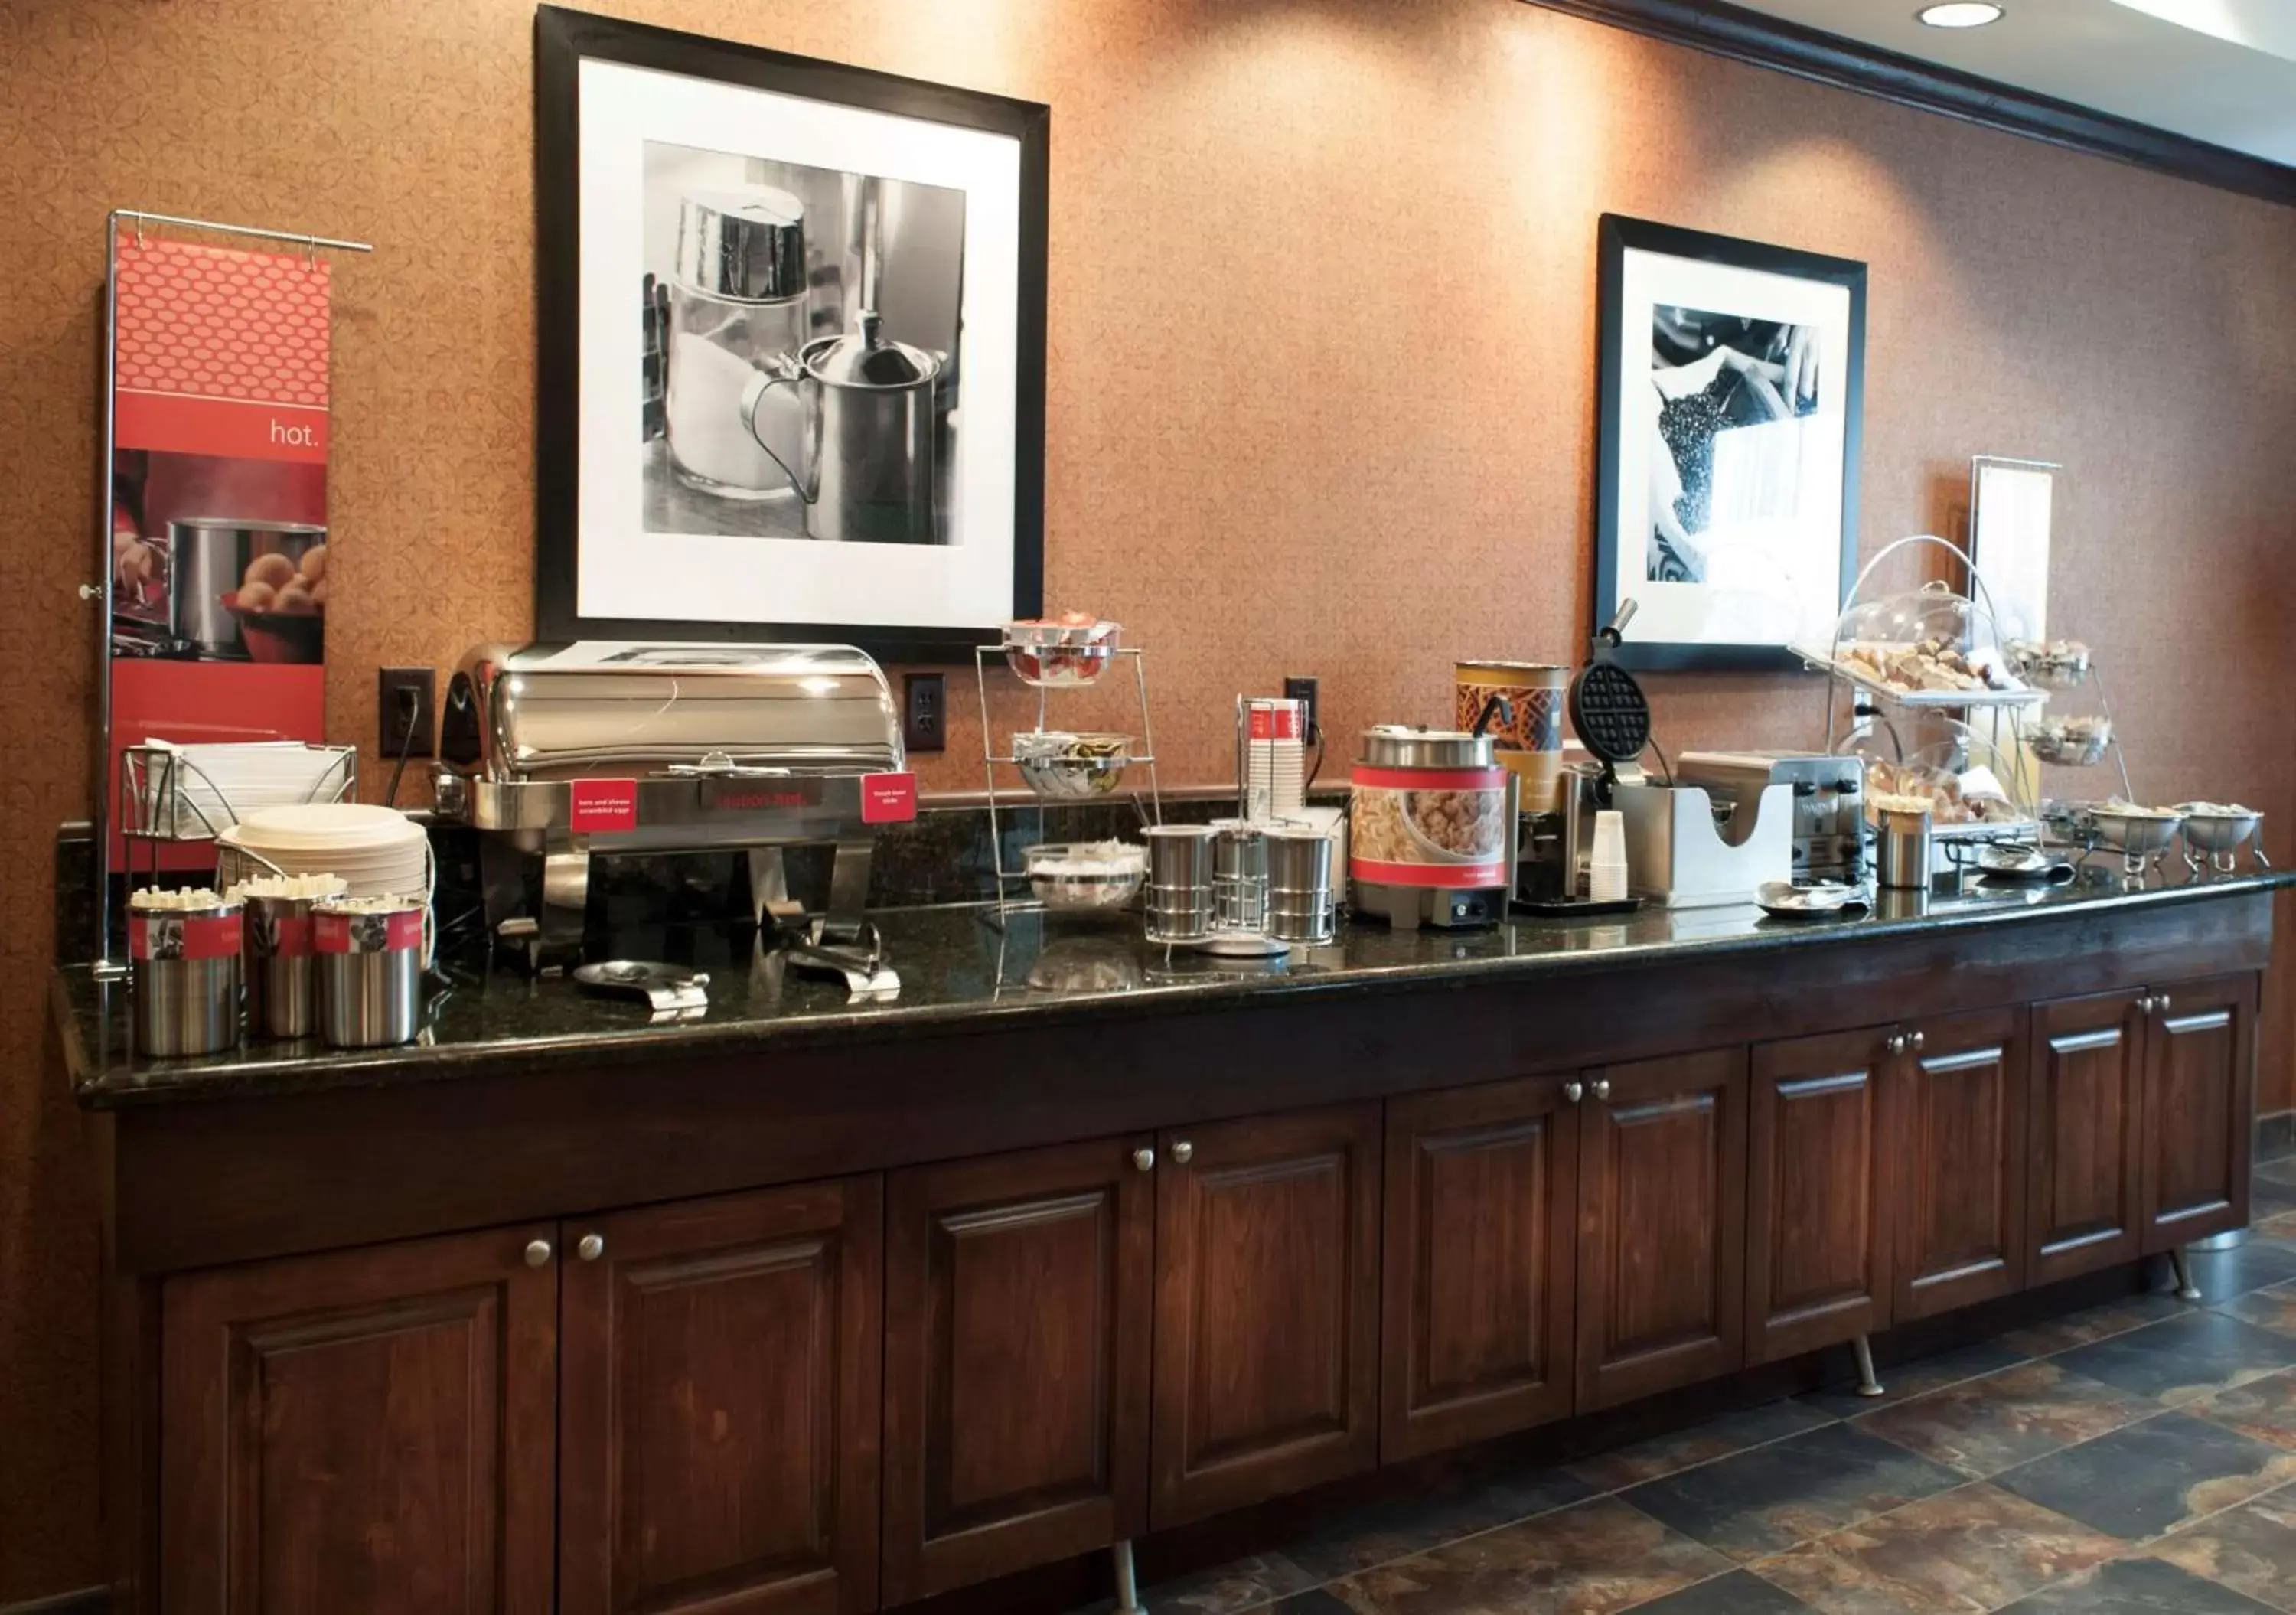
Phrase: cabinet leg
[1128,1588]
[1868,1385]
[2186,1290]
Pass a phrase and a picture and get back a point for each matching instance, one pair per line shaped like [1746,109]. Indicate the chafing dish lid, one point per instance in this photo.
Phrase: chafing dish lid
[602,708]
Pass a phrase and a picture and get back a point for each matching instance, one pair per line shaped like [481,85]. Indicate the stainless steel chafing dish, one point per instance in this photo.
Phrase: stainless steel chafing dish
[560,751]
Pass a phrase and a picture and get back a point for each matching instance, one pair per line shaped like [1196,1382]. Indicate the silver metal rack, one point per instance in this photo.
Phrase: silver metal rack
[100,593]
[991,760]
[157,806]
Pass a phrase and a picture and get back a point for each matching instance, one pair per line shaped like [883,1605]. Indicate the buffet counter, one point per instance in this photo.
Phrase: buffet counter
[1074,1242]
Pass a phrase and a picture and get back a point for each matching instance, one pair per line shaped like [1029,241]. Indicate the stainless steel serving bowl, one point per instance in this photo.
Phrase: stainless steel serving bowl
[2135,831]
[2216,832]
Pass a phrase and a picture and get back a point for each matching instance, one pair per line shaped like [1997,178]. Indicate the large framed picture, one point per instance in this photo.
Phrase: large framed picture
[792,346]
[1732,378]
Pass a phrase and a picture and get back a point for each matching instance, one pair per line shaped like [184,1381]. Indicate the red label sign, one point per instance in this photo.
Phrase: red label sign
[603,806]
[383,933]
[165,936]
[289,937]
[888,798]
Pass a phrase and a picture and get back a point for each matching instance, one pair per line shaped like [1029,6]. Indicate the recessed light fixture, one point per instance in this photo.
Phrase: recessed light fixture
[1960,14]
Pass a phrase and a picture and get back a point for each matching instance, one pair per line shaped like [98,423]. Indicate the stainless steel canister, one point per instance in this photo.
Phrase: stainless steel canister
[208,558]
[1239,875]
[283,982]
[1179,894]
[1299,897]
[370,959]
[1903,843]
[184,996]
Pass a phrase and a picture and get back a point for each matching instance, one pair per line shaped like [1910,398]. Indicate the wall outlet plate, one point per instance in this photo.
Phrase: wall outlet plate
[390,716]
[924,711]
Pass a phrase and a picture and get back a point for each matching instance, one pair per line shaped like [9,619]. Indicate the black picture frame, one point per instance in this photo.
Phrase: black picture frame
[562,40]
[1618,236]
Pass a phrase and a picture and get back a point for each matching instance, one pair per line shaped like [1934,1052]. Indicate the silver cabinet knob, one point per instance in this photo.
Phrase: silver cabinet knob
[1920,1040]
[1574,1090]
[1602,1087]
[2161,1004]
[1183,1152]
[1144,1160]
[2148,1006]
[1898,1043]
[591,1247]
[538,1252]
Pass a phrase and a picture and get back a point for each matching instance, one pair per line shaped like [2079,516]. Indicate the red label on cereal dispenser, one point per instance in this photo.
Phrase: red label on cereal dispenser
[394,932]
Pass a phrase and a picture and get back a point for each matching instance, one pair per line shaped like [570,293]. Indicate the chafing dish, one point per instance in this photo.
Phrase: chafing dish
[560,751]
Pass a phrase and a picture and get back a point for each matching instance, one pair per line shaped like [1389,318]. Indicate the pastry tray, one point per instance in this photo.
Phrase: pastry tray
[1916,700]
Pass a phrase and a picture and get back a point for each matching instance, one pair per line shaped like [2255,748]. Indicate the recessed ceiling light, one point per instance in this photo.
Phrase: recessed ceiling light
[1960,14]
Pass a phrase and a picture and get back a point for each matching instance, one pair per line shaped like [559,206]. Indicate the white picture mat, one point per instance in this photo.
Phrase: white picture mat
[627,572]
[2010,509]
[1747,605]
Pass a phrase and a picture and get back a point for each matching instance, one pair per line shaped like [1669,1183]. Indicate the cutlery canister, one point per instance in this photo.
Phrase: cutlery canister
[185,996]
[369,952]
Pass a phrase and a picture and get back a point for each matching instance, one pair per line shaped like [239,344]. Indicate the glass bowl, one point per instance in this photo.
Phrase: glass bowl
[1062,766]
[1064,654]
[1075,875]
[2056,664]
[2072,742]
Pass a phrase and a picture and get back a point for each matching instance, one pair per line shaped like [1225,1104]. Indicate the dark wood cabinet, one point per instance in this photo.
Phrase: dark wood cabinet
[720,1385]
[2085,1135]
[1818,1224]
[1959,1148]
[1018,1295]
[1662,1226]
[371,1429]
[1266,1335]
[2200,1096]
[1480,1263]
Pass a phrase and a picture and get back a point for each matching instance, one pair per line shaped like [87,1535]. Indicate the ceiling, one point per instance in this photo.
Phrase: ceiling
[2222,71]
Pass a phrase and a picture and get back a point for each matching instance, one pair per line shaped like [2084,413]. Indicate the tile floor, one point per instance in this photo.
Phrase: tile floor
[2135,1459]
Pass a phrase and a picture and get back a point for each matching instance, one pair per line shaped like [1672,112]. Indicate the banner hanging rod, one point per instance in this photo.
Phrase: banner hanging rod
[310,241]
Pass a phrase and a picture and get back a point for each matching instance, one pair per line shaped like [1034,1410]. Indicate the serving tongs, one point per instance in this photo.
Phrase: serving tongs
[860,962]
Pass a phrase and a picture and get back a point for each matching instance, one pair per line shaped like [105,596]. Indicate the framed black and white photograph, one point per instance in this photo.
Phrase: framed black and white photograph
[1732,377]
[792,346]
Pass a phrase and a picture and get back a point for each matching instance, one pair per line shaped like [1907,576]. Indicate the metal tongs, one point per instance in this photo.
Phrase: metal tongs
[868,978]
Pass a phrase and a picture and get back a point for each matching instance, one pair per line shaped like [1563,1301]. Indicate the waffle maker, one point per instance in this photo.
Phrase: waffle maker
[1609,711]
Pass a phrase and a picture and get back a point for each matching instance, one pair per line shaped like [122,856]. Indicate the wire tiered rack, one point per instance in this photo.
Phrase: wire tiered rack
[167,799]
[1079,661]
[1975,719]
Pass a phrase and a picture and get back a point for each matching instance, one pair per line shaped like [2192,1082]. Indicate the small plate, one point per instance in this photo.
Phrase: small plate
[2009,862]
[1825,900]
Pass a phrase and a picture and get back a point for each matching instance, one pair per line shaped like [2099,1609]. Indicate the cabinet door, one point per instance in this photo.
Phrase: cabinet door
[2085,1135]
[1662,1226]
[2199,1100]
[1018,1295]
[369,1430]
[1960,1147]
[1478,1276]
[1266,1376]
[1817,1201]
[719,1374]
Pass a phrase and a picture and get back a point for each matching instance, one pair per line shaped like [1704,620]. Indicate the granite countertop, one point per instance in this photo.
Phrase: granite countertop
[957,970]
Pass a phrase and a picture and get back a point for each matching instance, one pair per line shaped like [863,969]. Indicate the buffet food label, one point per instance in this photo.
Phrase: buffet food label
[889,799]
[217,500]
[601,807]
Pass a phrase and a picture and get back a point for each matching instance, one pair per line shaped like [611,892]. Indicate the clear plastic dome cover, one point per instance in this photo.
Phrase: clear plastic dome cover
[1925,641]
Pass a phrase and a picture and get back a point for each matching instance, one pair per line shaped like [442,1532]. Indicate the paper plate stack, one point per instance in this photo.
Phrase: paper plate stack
[378,851]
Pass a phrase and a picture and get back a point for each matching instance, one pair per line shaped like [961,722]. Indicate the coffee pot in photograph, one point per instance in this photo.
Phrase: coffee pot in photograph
[866,460]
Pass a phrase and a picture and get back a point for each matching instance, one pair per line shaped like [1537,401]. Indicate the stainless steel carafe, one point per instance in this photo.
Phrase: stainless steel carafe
[866,471]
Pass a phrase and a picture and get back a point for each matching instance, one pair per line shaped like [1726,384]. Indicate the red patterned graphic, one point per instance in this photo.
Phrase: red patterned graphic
[211,323]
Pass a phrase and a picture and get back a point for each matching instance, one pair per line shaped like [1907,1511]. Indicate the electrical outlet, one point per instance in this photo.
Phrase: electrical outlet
[393,688]
[924,712]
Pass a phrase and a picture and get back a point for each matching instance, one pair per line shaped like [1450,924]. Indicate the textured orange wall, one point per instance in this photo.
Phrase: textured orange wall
[1320,394]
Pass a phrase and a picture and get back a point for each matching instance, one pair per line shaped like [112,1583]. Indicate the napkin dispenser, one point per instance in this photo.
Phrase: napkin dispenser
[1682,853]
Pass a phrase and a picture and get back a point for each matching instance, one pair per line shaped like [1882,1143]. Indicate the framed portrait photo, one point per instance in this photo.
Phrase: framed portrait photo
[1732,378]
[792,359]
